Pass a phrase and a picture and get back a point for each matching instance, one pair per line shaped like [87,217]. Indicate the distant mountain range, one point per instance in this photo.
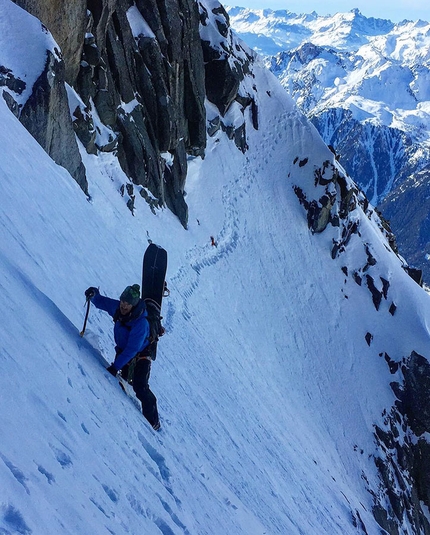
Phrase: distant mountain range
[365,84]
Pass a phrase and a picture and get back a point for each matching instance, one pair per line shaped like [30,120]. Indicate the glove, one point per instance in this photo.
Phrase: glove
[91,292]
[112,370]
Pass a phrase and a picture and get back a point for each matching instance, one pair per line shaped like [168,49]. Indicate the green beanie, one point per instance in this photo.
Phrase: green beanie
[131,295]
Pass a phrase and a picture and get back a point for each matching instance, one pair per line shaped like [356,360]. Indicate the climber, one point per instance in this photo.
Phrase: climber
[131,334]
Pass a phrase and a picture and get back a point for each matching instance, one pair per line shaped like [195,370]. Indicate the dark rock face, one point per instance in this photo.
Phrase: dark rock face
[147,85]
[337,198]
[160,72]
[7,79]
[407,208]
[225,81]
[139,73]
[416,391]
[66,22]
[403,459]
[226,65]
[46,116]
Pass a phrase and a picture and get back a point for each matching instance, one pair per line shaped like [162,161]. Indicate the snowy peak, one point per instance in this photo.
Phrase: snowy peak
[364,83]
[342,30]
[346,30]
[362,64]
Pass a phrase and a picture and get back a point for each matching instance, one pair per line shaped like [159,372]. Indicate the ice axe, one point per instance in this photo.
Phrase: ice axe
[86,318]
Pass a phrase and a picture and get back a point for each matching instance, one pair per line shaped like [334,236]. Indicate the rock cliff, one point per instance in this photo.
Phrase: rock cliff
[137,76]
[139,70]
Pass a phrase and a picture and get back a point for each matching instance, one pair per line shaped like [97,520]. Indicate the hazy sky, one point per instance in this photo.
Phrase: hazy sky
[395,10]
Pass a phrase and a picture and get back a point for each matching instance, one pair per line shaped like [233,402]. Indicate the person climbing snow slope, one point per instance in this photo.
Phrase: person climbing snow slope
[132,350]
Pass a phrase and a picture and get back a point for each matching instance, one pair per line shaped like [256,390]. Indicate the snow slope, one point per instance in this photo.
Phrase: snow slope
[267,389]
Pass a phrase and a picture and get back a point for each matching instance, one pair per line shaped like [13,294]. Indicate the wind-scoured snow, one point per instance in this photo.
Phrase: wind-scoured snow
[267,389]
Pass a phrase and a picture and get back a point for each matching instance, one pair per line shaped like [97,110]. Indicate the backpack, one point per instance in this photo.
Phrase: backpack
[155,328]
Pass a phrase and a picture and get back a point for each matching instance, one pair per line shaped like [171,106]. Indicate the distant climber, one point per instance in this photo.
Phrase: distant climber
[213,242]
[132,350]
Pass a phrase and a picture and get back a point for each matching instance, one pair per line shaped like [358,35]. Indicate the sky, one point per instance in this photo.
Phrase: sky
[395,10]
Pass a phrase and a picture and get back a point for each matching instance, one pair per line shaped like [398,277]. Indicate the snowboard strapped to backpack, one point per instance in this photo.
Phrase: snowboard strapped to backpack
[153,290]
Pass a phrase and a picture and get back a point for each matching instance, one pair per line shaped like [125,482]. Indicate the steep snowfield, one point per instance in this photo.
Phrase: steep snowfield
[267,389]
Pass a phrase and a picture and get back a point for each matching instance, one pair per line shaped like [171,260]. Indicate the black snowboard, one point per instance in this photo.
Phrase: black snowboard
[154,273]
[153,282]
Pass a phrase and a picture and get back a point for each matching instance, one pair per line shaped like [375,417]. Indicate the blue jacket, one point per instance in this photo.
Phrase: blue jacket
[131,332]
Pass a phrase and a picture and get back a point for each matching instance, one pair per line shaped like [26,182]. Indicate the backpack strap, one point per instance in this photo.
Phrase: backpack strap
[153,310]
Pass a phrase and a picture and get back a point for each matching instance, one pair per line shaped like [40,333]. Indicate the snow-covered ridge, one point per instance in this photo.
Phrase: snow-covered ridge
[285,29]
[365,84]
[370,66]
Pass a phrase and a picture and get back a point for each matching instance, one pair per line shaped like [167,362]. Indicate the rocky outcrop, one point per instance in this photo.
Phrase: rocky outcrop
[227,62]
[46,116]
[407,208]
[413,392]
[403,457]
[45,113]
[338,197]
[138,73]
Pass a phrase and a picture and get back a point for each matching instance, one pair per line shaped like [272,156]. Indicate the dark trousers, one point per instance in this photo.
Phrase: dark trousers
[140,383]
